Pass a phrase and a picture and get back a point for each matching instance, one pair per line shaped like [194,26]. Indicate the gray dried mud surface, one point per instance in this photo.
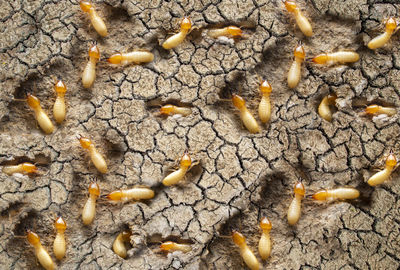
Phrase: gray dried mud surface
[241,177]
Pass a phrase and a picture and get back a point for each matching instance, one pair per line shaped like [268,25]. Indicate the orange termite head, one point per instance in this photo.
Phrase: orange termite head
[33,101]
[299,52]
[299,189]
[166,246]
[238,101]
[85,142]
[167,109]
[265,224]
[126,235]
[391,160]
[115,59]
[60,224]
[186,161]
[372,109]
[320,59]
[234,31]
[290,5]
[186,24]
[331,98]
[60,87]
[391,24]
[94,52]
[85,5]
[29,167]
[94,189]
[265,87]
[320,195]
[32,237]
[238,238]
[115,195]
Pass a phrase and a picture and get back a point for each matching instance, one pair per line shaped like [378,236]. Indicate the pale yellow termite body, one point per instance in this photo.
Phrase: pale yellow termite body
[172,109]
[376,109]
[294,73]
[41,117]
[336,57]
[170,246]
[264,108]
[24,168]
[265,244]
[229,31]
[178,38]
[248,256]
[136,57]
[178,175]
[41,253]
[382,39]
[59,104]
[95,19]
[97,158]
[59,245]
[136,193]
[341,193]
[324,109]
[301,20]
[89,210]
[89,73]
[247,118]
[119,243]
[294,211]
[384,175]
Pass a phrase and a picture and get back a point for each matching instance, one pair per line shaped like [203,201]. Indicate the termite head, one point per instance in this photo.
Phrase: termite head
[238,238]
[332,98]
[299,52]
[391,24]
[186,24]
[299,189]
[85,142]
[265,87]
[166,246]
[85,5]
[238,101]
[126,235]
[167,109]
[94,52]
[60,224]
[372,109]
[115,195]
[391,160]
[33,101]
[115,59]
[290,5]
[265,224]
[320,195]
[32,237]
[60,87]
[320,59]
[234,31]
[186,161]
[29,167]
[94,189]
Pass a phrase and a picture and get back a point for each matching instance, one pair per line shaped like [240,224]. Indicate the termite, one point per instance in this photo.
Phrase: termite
[119,243]
[136,193]
[172,109]
[382,39]
[178,38]
[295,69]
[229,31]
[324,109]
[179,174]
[41,117]
[97,158]
[265,245]
[342,193]
[59,245]
[136,57]
[24,168]
[336,57]
[41,253]
[247,118]
[376,109]
[380,177]
[294,210]
[89,210]
[96,20]
[89,73]
[59,104]
[301,20]
[264,108]
[170,246]
[246,253]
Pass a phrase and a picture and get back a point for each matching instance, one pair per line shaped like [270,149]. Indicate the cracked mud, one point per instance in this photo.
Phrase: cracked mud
[241,176]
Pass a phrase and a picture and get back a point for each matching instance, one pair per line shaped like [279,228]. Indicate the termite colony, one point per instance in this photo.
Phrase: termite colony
[137,193]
